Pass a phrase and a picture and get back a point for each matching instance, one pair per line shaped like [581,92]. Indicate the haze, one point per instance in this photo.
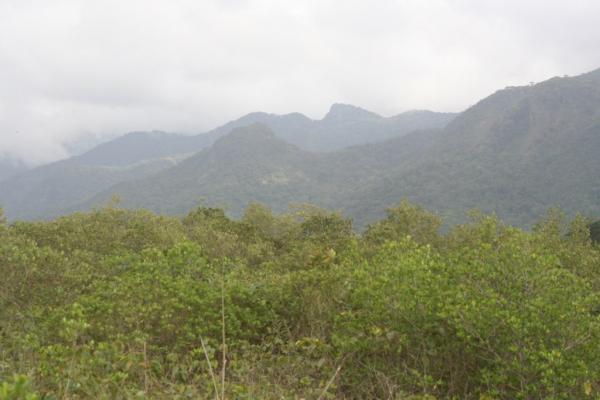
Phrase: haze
[81,69]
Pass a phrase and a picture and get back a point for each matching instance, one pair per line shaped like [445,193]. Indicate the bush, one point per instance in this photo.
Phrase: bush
[127,304]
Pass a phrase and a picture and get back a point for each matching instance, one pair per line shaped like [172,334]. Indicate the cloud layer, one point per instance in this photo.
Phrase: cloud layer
[75,67]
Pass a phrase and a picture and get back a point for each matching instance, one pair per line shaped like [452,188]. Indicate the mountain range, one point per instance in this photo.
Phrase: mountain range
[516,153]
[53,189]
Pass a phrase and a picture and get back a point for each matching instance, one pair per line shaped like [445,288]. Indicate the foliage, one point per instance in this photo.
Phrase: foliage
[595,231]
[128,304]
[18,388]
[404,220]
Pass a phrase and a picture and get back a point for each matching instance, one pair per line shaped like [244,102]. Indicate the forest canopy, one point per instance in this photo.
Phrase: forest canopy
[117,303]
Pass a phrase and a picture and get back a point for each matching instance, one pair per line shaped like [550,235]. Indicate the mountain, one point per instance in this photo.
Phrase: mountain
[249,163]
[137,147]
[10,167]
[53,189]
[57,187]
[515,153]
[86,142]
[346,125]
[343,126]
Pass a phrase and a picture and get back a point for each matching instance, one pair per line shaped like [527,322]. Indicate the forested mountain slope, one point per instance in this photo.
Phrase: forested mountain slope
[516,153]
[249,164]
[10,167]
[252,165]
[51,190]
[137,147]
[344,125]
[54,188]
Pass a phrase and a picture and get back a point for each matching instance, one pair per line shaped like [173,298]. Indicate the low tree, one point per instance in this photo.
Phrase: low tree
[404,220]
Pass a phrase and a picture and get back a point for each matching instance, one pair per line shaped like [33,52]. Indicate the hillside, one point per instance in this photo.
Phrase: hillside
[249,164]
[344,125]
[515,153]
[10,167]
[54,188]
[137,147]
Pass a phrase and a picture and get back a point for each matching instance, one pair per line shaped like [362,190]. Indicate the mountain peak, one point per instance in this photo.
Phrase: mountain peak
[255,131]
[256,137]
[346,112]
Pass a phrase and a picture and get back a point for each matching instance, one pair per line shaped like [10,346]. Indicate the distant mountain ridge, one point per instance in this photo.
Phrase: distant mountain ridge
[52,189]
[250,162]
[10,167]
[516,153]
[136,147]
[344,125]
[49,191]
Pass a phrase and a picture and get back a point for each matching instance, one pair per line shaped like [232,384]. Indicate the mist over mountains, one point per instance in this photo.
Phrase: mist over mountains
[10,167]
[66,185]
[516,153]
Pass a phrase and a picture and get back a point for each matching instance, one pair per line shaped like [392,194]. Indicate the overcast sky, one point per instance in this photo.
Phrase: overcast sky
[75,67]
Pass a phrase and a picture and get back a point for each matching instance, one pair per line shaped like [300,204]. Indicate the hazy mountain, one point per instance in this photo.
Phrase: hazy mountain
[136,147]
[249,163]
[52,189]
[516,153]
[10,167]
[346,125]
[57,187]
[86,142]
[343,126]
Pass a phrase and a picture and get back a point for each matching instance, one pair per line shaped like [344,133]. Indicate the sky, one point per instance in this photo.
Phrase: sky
[84,69]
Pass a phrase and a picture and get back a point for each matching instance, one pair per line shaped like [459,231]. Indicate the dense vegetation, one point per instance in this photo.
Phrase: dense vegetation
[128,304]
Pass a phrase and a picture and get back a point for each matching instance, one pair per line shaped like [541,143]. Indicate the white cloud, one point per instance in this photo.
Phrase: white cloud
[74,66]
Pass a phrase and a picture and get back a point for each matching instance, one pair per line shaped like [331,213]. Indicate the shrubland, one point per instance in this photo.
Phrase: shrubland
[128,304]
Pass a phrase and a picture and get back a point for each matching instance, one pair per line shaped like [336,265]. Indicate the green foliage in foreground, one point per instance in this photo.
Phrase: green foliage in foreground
[595,231]
[127,304]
